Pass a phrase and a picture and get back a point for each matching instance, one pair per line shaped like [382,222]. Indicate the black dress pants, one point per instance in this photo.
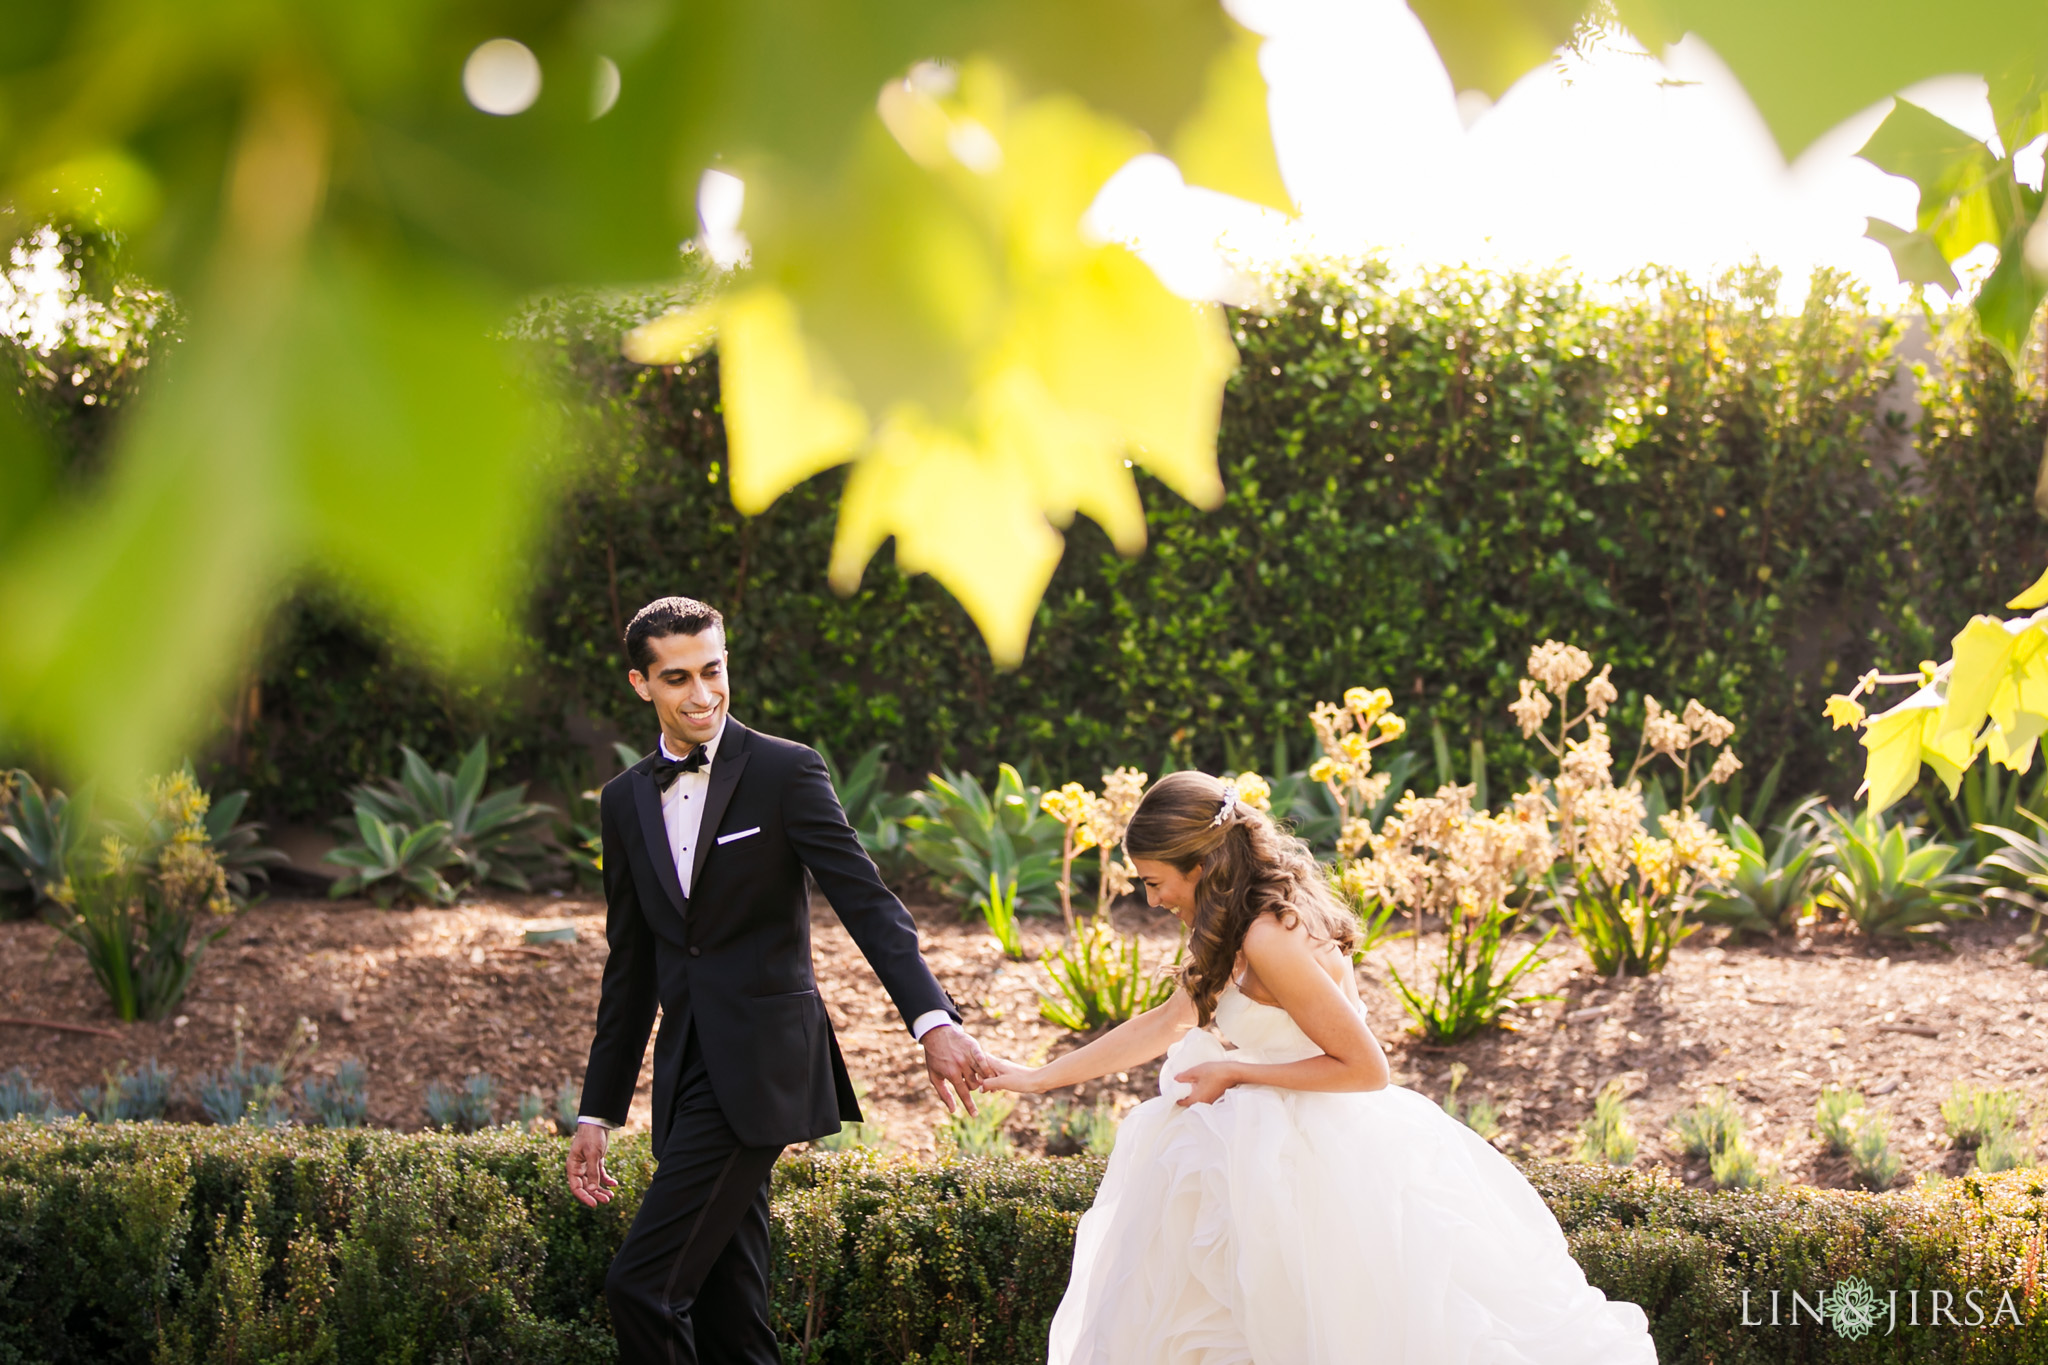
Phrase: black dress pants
[690,1282]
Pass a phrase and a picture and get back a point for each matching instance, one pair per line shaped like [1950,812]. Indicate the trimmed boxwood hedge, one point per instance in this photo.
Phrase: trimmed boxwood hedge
[155,1243]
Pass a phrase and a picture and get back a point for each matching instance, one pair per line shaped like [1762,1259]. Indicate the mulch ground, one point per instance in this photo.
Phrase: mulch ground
[434,995]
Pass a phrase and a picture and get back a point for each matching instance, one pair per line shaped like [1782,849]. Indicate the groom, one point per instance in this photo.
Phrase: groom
[705,845]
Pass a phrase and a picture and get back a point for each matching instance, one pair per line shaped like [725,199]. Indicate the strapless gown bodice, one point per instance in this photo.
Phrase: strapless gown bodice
[1287,1227]
[1261,1032]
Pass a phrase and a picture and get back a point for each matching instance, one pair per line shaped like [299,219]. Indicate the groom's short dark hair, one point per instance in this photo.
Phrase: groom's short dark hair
[667,616]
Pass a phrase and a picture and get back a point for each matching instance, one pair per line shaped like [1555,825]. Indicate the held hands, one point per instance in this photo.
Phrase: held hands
[1002,1075]
[1206,1082]
[588,1179]
[952,1058]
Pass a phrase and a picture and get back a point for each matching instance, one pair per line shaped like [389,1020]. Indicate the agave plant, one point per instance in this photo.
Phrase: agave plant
[1774,882]
[239,846]
[40,833]
[971,837]
[2024,858]
[498,837]
[389,861]
[1891,880]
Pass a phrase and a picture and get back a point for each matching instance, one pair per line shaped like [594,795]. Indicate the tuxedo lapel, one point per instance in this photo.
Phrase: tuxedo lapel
[725,777]
[654,832]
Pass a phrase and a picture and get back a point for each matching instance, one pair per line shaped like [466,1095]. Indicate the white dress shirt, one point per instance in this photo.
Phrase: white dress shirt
[682,814]
[682,808]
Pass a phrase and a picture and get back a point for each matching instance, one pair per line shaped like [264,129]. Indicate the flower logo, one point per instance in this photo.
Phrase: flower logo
[1852,1307]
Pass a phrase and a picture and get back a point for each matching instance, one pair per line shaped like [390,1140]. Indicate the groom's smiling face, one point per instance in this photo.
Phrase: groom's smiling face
[687,683]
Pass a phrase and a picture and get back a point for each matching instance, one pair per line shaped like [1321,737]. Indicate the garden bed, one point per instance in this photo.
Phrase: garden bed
[433,995]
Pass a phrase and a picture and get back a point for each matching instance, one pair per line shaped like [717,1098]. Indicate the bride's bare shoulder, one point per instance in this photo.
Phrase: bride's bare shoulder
[1275,932]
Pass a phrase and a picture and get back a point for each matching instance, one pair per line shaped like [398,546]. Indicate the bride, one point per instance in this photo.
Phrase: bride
[1281,1203]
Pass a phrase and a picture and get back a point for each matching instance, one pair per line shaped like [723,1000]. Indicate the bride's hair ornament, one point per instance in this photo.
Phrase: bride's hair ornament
[1229,804]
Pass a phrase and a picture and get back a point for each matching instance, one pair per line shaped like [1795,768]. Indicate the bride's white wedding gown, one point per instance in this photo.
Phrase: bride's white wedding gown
[1286,1227]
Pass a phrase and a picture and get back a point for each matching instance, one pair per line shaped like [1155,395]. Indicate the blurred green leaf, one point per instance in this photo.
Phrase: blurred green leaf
[2010,295]
[1488,45]
[1227,143]
[2019,101]
[1915,255]
[1969,195]
[1963,199]
[356,424]
[1810,65]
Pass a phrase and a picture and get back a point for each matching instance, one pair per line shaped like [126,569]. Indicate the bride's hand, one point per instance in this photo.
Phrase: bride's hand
[1010,1076]
[1207,1082]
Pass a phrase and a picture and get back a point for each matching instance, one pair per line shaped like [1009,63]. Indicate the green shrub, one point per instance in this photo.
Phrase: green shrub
[1606,1137]
[156,1245]
[340,1101]
[133,908]
[1000,910]
[1871,1158]
[876,813]
[389,862]
[2006,1151]
[1836,1116]
[1714,1129]
[980,1133]
[1975,1114]
[568,1099]
[1079,1130]
[1482,1116]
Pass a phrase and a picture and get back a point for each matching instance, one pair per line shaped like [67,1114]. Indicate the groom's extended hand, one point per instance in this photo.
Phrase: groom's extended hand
[952,1058]
[589,1181]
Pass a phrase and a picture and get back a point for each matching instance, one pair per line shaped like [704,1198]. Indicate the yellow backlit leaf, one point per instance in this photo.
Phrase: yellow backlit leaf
[1983,658]
[673,338]
[2034,598]
[2014,746]
[1227,143]
[1947,755]
[1110,339]
[1023,368]
[1895,741]
[1074,460]
[784,419]
[957,514]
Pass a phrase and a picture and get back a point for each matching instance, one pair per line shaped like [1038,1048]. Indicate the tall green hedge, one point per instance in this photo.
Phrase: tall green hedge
[148,1243]
[1424,478]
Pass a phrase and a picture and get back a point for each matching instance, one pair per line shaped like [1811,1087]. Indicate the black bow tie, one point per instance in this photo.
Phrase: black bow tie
[666,770]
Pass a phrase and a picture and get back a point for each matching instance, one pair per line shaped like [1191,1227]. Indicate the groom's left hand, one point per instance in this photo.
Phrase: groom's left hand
[952,1058]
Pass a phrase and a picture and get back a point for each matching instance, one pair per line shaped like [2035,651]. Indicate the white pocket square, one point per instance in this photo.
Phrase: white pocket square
[740,834]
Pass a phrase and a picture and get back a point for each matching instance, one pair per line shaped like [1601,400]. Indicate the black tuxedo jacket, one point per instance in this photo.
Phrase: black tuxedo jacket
[733,959]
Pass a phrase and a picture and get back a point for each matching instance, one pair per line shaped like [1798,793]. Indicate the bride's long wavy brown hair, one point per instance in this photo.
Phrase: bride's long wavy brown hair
[1250,867]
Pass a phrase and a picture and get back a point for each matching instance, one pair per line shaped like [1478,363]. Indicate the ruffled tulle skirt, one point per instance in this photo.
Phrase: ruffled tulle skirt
[1280,1227]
